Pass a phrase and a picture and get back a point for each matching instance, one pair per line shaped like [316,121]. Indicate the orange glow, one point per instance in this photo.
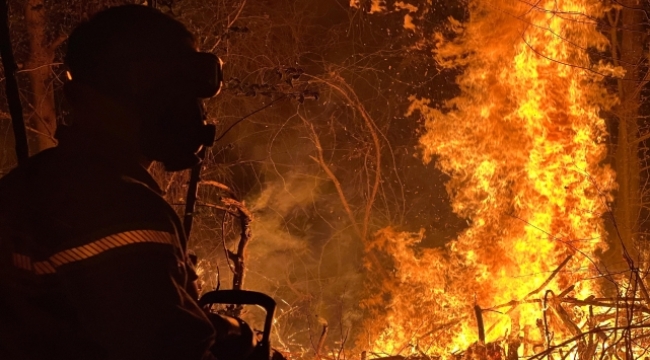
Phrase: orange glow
[524,147]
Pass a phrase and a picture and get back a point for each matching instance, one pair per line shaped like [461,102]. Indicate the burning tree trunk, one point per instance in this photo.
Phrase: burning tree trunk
[627,38]
[321,339]
[514,340]
[239,258]
[236,259]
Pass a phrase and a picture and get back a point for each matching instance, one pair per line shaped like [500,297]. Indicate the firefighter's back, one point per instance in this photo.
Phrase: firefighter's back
[75,227]
[36,318]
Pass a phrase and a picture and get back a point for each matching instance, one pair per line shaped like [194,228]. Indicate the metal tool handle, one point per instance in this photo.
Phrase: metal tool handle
[245,297]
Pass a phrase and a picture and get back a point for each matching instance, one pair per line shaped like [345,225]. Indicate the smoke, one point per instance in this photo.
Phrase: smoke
[311,271]
[279,240]
[302,251]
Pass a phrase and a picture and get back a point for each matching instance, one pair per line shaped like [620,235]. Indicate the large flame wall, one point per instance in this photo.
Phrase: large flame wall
[524,147]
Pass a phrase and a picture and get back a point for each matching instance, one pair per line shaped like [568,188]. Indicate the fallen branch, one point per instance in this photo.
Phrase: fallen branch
[544,284]
[586,333]
[550,278]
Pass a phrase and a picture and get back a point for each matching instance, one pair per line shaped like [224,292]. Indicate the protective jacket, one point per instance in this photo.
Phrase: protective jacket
[93,261]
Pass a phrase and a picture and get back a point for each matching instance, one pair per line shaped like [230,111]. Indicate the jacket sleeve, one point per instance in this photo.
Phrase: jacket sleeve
[133,304]
[130,296]
[78,245]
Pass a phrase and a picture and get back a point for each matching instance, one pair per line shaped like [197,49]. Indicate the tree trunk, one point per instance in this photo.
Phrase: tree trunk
[42,120]
[627,38]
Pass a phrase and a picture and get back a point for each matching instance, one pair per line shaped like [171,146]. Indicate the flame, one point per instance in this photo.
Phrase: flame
[524,147]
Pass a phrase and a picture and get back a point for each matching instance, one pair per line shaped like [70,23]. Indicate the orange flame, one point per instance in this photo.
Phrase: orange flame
[524,148]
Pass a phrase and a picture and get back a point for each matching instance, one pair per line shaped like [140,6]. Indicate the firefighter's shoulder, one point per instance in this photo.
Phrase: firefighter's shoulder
[79,207]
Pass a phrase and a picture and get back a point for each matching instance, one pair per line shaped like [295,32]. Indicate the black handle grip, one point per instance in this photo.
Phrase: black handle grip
[245,297]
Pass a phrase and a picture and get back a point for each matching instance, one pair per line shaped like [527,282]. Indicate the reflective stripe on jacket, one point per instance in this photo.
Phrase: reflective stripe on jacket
[92,262]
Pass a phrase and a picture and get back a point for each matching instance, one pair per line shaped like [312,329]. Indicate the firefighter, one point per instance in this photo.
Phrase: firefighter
[93,261]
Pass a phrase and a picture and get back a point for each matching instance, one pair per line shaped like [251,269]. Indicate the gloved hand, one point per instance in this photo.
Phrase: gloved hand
[261,354]
[276,355]
[235,338]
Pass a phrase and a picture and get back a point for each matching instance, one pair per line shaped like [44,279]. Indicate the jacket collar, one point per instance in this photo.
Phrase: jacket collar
[115,152]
